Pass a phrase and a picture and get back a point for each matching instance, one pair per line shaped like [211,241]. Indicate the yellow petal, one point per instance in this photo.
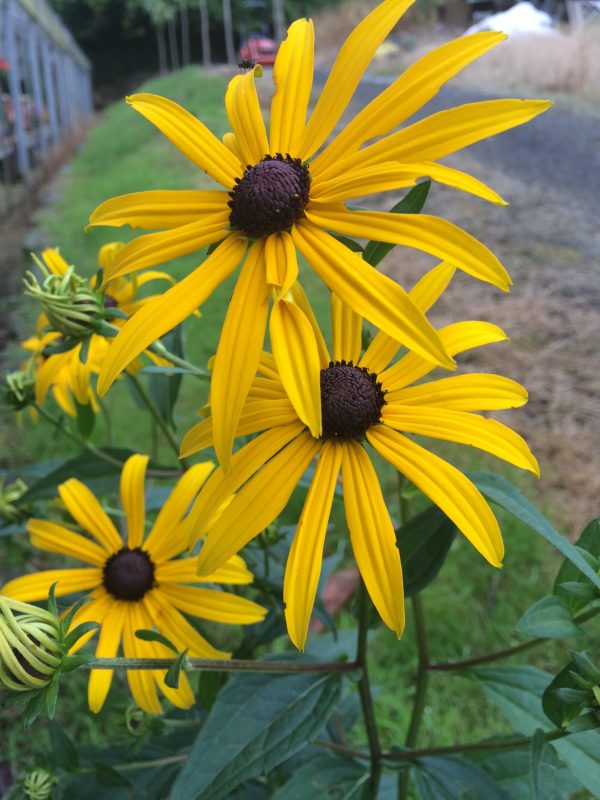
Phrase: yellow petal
[471,392]
[182,696]
[346,328]
[445,486]
[306,553]
[281,261]
[168,536]
[156,248]
[369,293]
[132,498]
[238,351]
[190,136]
[244,517]
[163,313]
[214,605]
[54,261]
[424,294]
[158,209]
[184,570]
[432,235]
[372,535]
[456,338]
[448,131]
[48,373]
[350,63]
[243,110]
[175,627]
[96,609]
[83,506]
[293,76]
[55,538]
[244,463]
[407,94]
[36,586]
[464,428]
[298,296]
[297,358]
[108,646]
[141,681]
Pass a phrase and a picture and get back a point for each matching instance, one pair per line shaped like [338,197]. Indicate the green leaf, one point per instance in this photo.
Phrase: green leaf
[64,752]
[78,632]
[559,707]
[424,542]
[155,636]
[108,776]
[256,723]
[163,388]
[51,695]
[517,692]
[538,743]
[174,671]
[86,418]
[454,778]
[325,777]
[52,606]
[549,618]
[500,491]
[349,243]
[413,203]
[589,541]
[35,706]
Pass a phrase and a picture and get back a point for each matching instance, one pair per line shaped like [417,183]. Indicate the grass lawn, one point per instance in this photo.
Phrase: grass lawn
[470,609]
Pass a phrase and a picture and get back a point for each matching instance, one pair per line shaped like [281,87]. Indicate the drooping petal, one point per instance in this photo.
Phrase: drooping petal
[141,681]
[244,517]
[189,136]
[470,392]
[297,357]
[244,463]
[445,486]
[238,351]
[306,553]
[424,294]
[298,296]
[293,77]
[167,539]
[163,313]
[99,606]
[84,507]
[432,235]
[389,176]
[462,427]
[456,338]
[448,131]
[156,248]
[407,94]
[346,331]
[48,373]
[243,111]
[36,586]
[350,63]
[214,605]
[372,535]
[160,209]
[108,646]
[184,570]
[281,261]
[369,293]
[175,627]
[182,696]
[133,475]
[56,538]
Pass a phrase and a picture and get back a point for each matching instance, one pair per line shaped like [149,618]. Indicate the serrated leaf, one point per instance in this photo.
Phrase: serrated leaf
[413,203]
[589,541]
[500,491]
[174,671]
[155,636]
[325,777]
[256,723]
[424,542]
[454,778]
[549,618]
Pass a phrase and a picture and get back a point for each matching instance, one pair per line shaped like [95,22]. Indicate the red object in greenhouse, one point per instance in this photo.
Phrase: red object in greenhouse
[260,49]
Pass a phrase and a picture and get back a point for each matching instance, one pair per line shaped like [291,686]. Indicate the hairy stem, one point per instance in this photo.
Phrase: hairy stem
[220,665]
[364,689]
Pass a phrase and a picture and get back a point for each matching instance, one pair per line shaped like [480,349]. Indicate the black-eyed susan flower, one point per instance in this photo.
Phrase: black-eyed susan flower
[137,582]
[283,193]
[333,407]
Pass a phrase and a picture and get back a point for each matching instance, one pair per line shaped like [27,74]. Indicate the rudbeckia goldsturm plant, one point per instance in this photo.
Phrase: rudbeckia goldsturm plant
[283,192]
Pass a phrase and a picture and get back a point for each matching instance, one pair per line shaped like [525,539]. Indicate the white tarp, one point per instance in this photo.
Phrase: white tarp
[521,18]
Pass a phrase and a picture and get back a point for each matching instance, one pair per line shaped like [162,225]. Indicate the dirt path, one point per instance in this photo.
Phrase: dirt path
[549,240]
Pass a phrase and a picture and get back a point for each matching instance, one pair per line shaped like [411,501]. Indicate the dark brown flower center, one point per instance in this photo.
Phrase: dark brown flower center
[128,574]
[270,196]
[351,400]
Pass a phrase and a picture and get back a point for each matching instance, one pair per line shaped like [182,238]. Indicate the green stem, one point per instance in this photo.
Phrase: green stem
[364,689]
[108,422]
[420,689]
[218,665]
[155,413]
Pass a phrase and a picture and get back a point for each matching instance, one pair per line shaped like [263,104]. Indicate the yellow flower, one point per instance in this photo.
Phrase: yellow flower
[283,194]
[138,583]
[313,403]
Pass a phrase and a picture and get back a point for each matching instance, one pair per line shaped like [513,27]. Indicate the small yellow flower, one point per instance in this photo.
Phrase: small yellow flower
[137,583]
[313,403]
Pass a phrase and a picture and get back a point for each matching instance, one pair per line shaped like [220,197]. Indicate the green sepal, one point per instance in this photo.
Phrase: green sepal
[86,418]
[70,663]
[52,606]
[154,636]
[78,632]
[66,621]
[51,695]
[84,350]
[174,671]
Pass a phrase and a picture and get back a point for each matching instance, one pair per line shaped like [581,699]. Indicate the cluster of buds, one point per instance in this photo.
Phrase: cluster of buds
[9,499]
[72,308]
[39,784]
[18,391]
[30,652]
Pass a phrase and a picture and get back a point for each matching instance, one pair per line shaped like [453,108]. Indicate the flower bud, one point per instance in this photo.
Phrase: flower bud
[19,389]
[30,650]
[9,497]
[39,784]
[71,306]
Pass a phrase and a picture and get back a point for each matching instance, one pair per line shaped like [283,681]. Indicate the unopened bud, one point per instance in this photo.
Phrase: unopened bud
[18,391]
[39,784]
[30,651]
[9,498]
